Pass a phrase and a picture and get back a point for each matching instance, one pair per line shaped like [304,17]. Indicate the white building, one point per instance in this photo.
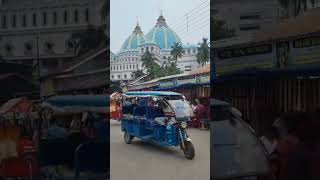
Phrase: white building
[158,41]
[52,22]
[247,17]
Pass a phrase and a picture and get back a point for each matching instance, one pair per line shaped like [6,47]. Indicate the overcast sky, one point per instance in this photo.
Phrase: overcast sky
[125,13]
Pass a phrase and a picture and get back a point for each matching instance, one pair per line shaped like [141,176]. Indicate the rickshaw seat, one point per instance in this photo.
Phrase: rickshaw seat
[154,112]
[128,109]
[92,156]
[140,111]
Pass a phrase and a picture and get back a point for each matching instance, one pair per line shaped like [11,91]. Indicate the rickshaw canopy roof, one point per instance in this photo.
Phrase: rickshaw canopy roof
[79,100]
[152,93]
[236,151]
[78,103]
[216,102]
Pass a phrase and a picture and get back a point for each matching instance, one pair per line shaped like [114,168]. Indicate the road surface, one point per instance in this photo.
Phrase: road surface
[141,160]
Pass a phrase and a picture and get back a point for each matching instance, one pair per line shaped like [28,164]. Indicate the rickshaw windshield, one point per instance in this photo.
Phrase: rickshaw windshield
[182,108]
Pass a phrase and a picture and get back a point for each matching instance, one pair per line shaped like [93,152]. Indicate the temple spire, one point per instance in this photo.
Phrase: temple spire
[161,20]
[137,21]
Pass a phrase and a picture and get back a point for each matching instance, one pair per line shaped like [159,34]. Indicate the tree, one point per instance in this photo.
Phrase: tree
[104,12]
[172,69]
[203,54]
[220,30]
[176,51]
[298,6]
[92,38]
[149,62]
[138,73]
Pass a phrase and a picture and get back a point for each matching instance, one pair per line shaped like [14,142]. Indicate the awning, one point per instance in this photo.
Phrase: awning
[188,85]
[294,71]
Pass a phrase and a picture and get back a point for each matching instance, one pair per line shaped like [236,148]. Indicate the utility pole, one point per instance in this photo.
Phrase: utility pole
[187,21]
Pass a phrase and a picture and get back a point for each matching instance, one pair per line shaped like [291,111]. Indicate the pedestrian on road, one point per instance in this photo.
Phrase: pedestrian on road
[200,113]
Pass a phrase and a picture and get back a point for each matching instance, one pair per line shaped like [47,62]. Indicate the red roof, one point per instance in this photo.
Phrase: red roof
[202,70]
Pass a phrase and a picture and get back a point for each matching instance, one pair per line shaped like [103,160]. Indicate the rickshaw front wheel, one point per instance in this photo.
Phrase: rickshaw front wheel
[189,152]
[127,138]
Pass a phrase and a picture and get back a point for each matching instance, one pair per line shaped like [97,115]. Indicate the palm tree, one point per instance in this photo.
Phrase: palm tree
[203,54]
[91,38]
[138,73]
[104,11]
[148,62]
[297,6]
[220,29]
[176,51]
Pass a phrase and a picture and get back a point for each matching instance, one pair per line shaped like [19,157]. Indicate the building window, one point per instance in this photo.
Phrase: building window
[253,16]
[87,15]
[147,48]
[76,16]
[193,51]
[24,20]
[130,66]
[65,17]
[44,16]
[34,16]
[189,51]
[120,67]
[14,20]
[54,16]
[4,21]
[248,28]
[112,77]
[151,49]
[119,77]
[125,76]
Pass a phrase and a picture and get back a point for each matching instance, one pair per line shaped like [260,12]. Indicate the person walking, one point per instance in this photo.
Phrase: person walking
[200,114]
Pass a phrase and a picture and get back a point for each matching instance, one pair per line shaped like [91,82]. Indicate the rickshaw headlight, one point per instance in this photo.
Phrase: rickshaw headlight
[183,125]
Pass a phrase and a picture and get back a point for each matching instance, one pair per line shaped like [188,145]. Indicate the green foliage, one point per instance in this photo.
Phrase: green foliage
[154,70]
[176,51]
[138,73]
[92,38]
[298,6]
[203,55]
[220,30]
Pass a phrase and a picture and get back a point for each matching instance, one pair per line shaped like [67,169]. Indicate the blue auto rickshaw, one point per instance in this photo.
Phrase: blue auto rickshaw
[235,150]
[73,154]
[159,117]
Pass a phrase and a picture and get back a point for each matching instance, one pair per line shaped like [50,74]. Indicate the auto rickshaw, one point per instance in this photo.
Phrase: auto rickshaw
[236,151]
[159,117]
[74,137]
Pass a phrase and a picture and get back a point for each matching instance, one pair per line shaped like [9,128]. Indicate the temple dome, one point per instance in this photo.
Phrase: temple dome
[162,35]
[134,41]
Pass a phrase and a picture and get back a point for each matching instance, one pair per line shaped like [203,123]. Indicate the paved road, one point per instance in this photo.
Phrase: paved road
[145,161]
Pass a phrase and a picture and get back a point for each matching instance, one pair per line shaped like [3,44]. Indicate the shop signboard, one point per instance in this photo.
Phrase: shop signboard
[306,50]
[230,59]
[203,78]
[167,83]
[187,80]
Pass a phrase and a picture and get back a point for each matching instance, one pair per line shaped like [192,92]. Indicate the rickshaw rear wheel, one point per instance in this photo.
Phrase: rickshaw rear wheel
[127,137]
[189,152]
